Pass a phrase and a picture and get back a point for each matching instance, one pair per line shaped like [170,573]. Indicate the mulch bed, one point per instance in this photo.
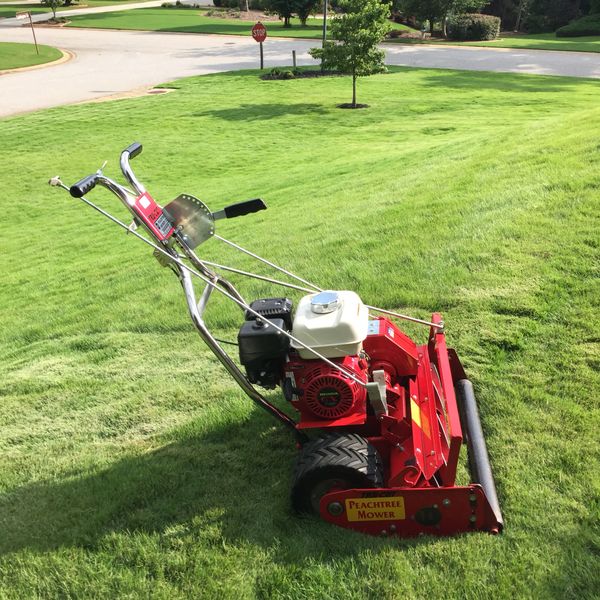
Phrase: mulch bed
[350,105]
[285,74]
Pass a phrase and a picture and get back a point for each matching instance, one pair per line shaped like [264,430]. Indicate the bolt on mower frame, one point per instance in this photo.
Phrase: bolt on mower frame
[436,506]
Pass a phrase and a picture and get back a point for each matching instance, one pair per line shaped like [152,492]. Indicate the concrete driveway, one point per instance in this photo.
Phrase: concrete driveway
[108,63]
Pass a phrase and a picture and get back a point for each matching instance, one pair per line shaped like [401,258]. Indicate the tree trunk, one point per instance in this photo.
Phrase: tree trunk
[286,21]
[445,26]
[522,5]
[353,89]
[431,27]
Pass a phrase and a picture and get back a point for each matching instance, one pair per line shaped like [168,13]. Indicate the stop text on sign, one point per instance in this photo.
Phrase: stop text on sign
[259,32]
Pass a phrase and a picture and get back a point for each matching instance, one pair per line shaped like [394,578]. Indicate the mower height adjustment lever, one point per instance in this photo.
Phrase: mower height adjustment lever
[240,209]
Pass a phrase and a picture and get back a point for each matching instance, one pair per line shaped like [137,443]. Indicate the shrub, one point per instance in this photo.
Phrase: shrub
[178,5]
[279,73]
[473,27]
[239,4]
[589,25]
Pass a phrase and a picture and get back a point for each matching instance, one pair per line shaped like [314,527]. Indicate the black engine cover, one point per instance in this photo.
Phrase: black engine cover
[272,308]
[263,350]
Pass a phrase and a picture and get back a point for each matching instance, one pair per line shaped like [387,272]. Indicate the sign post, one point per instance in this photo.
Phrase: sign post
[259,33]
[24,15]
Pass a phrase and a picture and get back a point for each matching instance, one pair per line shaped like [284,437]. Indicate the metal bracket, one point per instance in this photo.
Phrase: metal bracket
[376,391]
[192,218]
[163,259]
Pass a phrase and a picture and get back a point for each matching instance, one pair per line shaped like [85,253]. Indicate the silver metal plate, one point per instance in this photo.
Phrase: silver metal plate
[193,218]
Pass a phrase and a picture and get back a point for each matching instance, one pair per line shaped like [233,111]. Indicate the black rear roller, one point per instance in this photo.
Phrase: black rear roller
[334,462]
[479,461]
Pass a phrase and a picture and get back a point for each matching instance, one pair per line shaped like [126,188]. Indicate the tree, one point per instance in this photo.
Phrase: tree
[285,9]
[423,10]
[53,4]
[523,5]
[357,32]
[549,15]
[439,10]
[305,8]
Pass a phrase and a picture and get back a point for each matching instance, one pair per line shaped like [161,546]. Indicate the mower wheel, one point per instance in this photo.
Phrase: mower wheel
[334,462]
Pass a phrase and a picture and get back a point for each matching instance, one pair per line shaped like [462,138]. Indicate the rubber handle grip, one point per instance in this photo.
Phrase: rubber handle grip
[83,186]
[133,149]
[244,208]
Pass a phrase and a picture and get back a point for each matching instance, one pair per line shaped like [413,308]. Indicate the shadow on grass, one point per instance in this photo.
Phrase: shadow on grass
[505,82]
[235,478]
[259,112]
[228,486]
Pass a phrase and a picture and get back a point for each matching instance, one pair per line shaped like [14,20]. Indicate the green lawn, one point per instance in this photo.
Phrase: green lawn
[133,467]
[9,10]
[538,41]
[14,55]
[194,21]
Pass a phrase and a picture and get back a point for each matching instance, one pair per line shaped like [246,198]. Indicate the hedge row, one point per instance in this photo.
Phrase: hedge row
[473,27]
[589,25]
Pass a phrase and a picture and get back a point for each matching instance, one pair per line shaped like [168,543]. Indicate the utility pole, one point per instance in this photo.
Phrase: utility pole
[324,29]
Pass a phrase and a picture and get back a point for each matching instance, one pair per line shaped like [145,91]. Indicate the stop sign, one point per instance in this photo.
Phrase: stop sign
[259,32]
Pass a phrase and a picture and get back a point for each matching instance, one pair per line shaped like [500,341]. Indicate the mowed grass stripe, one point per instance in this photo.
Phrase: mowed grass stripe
[197,21]
[132,465]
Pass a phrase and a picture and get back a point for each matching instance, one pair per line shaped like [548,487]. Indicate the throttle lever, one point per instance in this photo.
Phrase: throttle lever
[240,209]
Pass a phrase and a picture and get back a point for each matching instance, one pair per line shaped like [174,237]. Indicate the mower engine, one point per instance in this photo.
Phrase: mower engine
[336,325]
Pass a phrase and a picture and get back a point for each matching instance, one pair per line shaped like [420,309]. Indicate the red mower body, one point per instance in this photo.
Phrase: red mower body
[418,437]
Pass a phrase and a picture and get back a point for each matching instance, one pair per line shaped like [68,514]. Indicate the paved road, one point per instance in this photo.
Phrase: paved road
[94,9]
[109,62]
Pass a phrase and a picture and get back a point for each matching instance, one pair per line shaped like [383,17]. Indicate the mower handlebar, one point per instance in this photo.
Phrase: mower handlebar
[131,152]
[133,149]
[83,186]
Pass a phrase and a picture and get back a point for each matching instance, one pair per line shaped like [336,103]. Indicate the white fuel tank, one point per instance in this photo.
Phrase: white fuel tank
[333,323]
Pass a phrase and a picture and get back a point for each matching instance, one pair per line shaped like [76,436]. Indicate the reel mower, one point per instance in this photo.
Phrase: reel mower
[380,419]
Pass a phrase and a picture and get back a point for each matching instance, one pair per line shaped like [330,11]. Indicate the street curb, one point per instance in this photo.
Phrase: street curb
[390,44]
[67,55]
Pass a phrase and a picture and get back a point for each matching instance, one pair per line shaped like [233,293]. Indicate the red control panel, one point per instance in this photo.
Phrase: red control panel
[151,214]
